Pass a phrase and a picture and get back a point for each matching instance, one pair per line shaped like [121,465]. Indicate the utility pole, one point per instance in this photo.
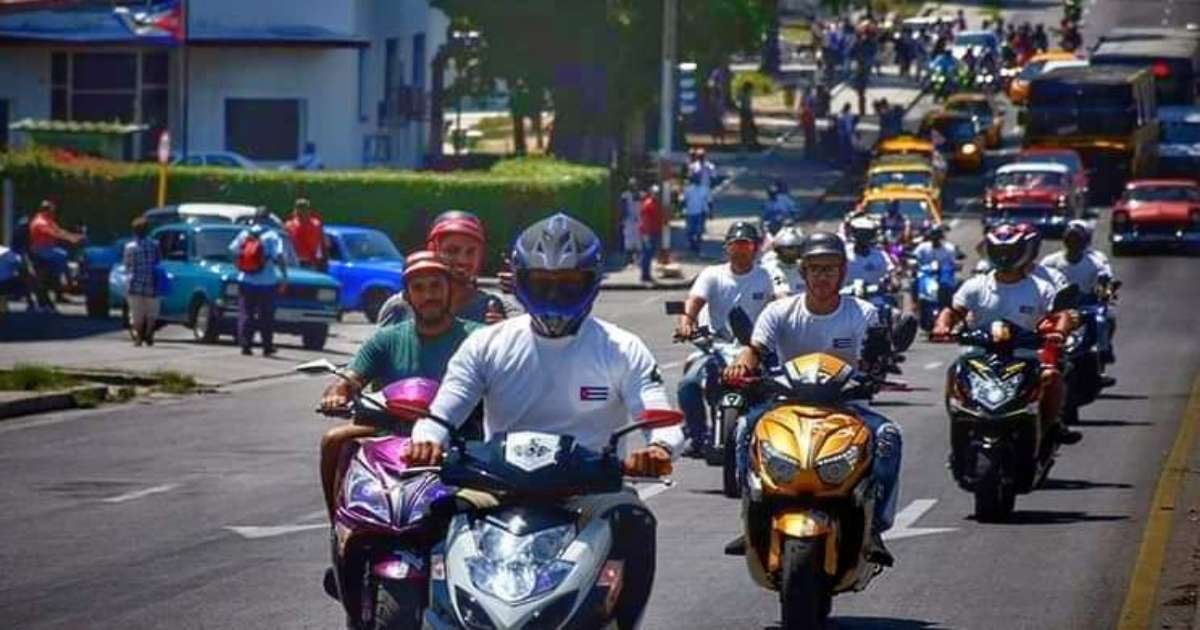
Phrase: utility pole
[666,114]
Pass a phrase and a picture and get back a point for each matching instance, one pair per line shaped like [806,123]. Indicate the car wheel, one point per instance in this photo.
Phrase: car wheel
[373,301]
[314,338]
[97,303]
[204,322]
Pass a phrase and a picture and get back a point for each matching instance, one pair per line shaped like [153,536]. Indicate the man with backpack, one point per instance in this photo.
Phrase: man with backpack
[258,255]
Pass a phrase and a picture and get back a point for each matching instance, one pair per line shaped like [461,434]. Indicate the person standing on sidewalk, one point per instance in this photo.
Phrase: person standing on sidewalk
[258,254]
[747,126]
[628,205]
[141,258]
[696,200]
[847,129]
[650,227]
[307,230]
[808,123]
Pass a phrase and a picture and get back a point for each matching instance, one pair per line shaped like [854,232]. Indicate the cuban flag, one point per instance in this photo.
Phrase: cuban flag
[162,22]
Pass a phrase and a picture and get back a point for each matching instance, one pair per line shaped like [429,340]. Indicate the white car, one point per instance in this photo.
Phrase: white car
[977,41]
[224,159]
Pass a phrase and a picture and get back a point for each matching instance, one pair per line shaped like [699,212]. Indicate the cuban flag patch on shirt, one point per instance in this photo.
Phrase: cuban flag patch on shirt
[841,343]
[591,393]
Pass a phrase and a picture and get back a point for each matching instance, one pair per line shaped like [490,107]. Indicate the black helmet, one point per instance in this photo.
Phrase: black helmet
[935,231]
[742,231]
[823,244]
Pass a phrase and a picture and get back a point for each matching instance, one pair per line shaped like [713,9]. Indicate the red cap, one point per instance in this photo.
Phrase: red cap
[424,261]
[459,225]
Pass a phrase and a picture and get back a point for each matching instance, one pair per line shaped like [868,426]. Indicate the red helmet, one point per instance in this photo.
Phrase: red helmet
[464,224]
[1009,247]
[424,261]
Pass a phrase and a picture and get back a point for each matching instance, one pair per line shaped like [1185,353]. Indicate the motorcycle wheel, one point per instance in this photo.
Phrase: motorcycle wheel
[994,499]
[804,596]
[928,315]
[397,606]
[904,332]
[729,477]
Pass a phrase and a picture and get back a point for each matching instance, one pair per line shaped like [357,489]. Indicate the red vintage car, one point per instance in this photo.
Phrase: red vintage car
[1157,214]
[1068,158]
[1039,193]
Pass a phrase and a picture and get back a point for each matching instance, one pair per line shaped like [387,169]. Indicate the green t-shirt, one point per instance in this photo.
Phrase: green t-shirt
[398,352]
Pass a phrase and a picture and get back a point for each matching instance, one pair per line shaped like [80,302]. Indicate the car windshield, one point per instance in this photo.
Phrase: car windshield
[369,246]
[213,245]
[955,129]
[914,209]
[1069,161]
[1180,133]
[919,179]
[971,108]
[1031,179]
[1164,193]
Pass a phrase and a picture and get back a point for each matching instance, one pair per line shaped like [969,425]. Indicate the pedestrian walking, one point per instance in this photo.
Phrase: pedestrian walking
[847,125]
[747,126]
[141,257]
[307,230]
[696,200]
[650,227]
[808,124]
[630,203]
[262,273]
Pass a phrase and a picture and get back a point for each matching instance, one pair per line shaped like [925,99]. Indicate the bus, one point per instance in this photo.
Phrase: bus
[1173,60]
[1106,113]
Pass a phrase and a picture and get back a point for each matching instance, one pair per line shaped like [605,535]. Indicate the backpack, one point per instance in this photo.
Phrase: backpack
[252,257]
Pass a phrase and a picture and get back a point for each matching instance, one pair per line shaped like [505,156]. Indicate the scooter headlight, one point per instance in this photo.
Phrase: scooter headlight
[515,568]
[835,469]
[994,393]
[780,467]
[365,494]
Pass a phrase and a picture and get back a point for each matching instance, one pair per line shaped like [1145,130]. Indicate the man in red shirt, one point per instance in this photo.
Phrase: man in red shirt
[307,231]
[49,259]
[650,225]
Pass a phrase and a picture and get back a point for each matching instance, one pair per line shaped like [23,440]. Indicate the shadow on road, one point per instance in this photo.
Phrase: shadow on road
[22,326]
[1113,423]
[883,623]
[1123,397]
[1079,484]
[1053,517]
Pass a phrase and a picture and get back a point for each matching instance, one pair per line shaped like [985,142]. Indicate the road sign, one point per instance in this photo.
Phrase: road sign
[687,87]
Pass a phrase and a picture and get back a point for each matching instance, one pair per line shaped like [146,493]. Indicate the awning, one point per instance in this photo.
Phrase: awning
[98,27]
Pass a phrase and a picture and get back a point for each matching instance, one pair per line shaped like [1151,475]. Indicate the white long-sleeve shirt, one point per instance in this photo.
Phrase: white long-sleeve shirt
[586,385]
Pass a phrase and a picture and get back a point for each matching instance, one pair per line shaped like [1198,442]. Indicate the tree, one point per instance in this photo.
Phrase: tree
[598,60]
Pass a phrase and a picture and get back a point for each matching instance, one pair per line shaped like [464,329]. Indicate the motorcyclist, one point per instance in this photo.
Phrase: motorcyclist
[740,283]
[48,257]
[822,320]
[1089,270]
[561,370]
[459,239]
[1010,293]
[779,207]
[895,225]
[935,248]
[866,261]
[1056,278]
[782,262]
[419,346]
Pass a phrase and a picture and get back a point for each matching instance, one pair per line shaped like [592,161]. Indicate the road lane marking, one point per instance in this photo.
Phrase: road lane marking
[650,300]
[138,494]
[954,222]
[648,490]
[251,532]
[933,365]
[1143,582]
[672,365]
[906,518]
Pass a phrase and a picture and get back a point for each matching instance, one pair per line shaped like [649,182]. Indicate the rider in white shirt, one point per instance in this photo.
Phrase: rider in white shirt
[719,289]
[1082,265]
[783,262]
[935,247]
[866,261]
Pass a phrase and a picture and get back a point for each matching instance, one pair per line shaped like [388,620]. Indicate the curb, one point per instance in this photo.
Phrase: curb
[41,402]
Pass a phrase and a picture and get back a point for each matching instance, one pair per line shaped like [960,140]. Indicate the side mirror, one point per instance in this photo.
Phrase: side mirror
[409,399]
[319,366]
[674,308]
[740,324]
[649,419]
[1067,298]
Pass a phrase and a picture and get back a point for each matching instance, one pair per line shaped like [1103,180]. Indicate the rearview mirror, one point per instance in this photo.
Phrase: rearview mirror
[649,419]
[740,324]
[409,399]
[319,366]
[674,308]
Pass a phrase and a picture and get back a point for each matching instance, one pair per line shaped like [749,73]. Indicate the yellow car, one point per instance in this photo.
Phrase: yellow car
[957,138]
[1018,89]
[920,206]
[910,174]
[988,117]
[907,145]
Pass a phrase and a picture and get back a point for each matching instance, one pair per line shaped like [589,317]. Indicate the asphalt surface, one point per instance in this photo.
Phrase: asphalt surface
[206,512]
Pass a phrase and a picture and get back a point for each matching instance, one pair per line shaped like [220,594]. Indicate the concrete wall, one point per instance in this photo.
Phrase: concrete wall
[335,15]
[25,84]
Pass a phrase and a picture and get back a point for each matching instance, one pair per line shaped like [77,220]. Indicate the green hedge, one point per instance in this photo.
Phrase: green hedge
[106,196]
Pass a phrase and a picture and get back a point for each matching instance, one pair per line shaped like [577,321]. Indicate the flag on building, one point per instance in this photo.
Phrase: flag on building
[162,22]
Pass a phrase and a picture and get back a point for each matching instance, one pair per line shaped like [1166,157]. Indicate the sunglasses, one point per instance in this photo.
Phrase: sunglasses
[823,270]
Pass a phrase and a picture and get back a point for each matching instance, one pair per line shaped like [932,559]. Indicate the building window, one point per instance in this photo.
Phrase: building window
[108,86]
[418,61]
[362,85]
[264,129]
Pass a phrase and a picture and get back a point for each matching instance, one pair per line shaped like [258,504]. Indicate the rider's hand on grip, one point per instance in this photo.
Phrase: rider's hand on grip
[423,454]
[738,375]
[686,329]
[652,461]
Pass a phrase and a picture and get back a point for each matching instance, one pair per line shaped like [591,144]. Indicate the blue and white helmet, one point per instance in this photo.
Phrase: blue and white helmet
[557,264]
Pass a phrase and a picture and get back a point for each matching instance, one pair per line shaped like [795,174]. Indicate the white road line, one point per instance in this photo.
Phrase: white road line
[645,492]
[954,222]
[650,300]
[138,494]
[255,533]
[933,365]
[670,366]
[902,527]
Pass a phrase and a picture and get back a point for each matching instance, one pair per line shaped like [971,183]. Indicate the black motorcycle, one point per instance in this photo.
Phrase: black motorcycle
[1087,349]
[1000,444]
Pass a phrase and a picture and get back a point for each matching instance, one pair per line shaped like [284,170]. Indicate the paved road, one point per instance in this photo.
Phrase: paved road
[119,518]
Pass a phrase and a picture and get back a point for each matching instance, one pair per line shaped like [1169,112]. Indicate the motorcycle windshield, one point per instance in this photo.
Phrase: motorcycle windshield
[533,464]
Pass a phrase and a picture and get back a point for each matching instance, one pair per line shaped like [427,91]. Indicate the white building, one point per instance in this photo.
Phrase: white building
[263,77]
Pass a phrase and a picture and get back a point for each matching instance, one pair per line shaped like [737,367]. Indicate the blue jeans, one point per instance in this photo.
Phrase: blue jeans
[695,230]
[886,468]
[701,378]
[256,311]
[649,248]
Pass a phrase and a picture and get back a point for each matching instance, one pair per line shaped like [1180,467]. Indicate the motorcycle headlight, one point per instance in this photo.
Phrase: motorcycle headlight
[515,568]
[327,295]
[836,468]
[994,393]
[969,148]
[780,467]
[230,290]
[1074,341]
[365,493]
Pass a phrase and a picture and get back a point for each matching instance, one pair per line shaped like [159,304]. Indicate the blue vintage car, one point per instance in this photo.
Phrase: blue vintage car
[202,290]
[368,266]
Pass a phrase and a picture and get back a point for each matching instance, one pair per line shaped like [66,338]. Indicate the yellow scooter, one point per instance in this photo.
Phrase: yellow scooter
[809,508]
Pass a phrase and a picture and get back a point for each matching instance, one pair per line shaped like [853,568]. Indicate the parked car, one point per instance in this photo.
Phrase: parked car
[1069,158]
[202,285]
[1040,193]
[368,266]
[1157,215]
[98,260]
[224,159]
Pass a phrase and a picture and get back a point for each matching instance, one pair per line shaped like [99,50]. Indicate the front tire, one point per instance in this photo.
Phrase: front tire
[994,497]
[314,338]
[904,332]
[729,477]
[804,596]
[397,606]
[204,322]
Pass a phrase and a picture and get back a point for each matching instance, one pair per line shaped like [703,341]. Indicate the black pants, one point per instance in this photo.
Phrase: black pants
[256,311]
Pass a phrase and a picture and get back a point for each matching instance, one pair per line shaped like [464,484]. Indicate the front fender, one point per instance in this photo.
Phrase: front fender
[807,523]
